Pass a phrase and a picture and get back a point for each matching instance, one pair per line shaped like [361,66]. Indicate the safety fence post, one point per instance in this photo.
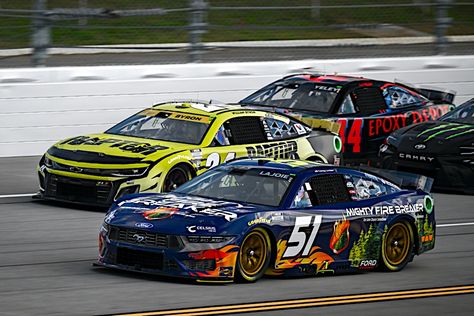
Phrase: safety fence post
[197,27]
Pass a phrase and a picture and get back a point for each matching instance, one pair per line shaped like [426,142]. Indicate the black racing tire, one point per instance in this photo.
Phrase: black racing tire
[254,256]
[397,247]
[177,176]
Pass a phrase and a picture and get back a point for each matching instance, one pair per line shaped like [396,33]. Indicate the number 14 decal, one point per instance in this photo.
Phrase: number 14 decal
[299,237]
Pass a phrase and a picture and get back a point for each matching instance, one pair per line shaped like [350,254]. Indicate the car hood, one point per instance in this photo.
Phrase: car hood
[434,137]
[108,148]
[177,214]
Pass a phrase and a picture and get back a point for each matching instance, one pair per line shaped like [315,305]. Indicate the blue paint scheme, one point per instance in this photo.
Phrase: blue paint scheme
[233,221]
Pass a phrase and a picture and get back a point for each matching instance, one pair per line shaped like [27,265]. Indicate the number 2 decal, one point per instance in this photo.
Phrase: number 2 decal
[214,159]
[351,133]
[299,237]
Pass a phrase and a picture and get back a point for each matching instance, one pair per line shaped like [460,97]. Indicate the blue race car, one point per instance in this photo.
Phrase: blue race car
[248,218]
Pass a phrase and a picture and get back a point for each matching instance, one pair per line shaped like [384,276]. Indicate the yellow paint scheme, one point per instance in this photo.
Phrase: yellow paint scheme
[198,158]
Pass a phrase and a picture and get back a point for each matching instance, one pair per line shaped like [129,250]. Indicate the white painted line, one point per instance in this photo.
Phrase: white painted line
[454,224]
[16,195]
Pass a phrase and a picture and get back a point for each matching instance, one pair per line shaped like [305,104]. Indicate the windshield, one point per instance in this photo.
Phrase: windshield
[297,96]
[241,185]
[162,125]
[463,114]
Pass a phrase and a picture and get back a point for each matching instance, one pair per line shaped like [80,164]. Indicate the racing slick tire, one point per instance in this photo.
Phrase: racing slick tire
[254,256]
[397,246]
[177,176]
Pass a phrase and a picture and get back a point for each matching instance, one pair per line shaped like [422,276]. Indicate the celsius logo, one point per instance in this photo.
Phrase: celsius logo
[420,146]
[195,228]
[144,225]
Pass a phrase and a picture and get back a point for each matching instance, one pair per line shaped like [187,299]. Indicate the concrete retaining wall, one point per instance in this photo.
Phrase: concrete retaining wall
[39,106]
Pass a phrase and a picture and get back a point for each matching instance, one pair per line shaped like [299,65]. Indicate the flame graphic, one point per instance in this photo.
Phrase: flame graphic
[315,257]
[225,257]
[340,236]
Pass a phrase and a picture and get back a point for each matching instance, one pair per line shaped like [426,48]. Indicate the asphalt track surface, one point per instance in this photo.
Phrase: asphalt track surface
[46,251]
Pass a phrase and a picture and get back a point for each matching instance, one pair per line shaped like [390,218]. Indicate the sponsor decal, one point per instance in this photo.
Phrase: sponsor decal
[300,129]
[389,124]
[190,117]
[199,228]
[110,216]
[276,150]
[353,130]
[366,247]
[458,130]
[259,221]
[340,236]
[275,175]
[159,213]
[144,225]
[196,154]
[125,145]
[248,112]
[278,217]
[453,129]
[426,231]
[149,112]
[324,170]
[349,184]
[427,238]
[226,271]
[189,206]
[327,88]
[416,157]
[179,157]
[384,210]
[368,264]
[374,219]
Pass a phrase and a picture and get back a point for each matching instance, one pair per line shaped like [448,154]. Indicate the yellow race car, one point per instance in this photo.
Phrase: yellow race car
[162,147]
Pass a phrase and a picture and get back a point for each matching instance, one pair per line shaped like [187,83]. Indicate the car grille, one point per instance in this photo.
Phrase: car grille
[140,259]
[79,190]
[138,237]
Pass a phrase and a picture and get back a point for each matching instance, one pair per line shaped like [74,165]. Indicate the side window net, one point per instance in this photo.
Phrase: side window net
[369,100]
[330,189]
[245,130]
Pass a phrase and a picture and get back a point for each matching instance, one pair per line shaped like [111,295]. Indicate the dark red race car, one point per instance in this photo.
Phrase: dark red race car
[368,110]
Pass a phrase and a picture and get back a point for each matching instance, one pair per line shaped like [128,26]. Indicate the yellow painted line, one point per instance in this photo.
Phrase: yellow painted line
[318,304]
[312,302]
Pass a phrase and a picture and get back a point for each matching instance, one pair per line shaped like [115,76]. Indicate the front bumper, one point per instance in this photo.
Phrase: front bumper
[168,259]
[94,191]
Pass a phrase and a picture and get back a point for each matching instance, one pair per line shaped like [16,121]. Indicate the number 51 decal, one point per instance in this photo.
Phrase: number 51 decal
[299,237]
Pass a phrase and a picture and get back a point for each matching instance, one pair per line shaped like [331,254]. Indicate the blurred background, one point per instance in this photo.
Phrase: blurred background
[125,32]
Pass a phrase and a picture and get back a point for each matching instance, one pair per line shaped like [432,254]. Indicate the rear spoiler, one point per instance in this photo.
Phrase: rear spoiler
[404,180]
[434,94]
[320,124]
